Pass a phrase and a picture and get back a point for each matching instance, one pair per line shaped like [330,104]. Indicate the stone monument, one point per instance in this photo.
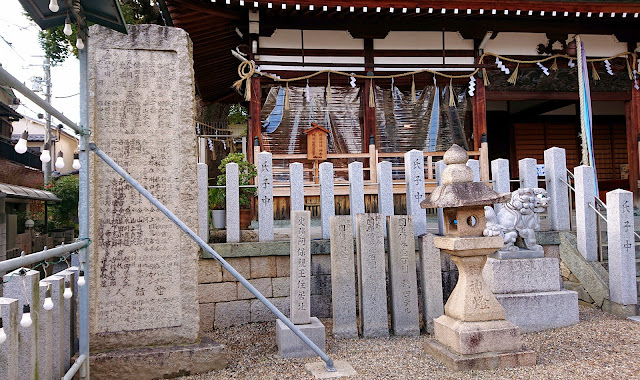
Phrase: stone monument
[144,319]
[473,333]
[289,344]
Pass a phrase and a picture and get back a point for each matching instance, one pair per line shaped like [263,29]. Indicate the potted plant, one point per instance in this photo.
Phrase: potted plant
[217,205]
[247,172]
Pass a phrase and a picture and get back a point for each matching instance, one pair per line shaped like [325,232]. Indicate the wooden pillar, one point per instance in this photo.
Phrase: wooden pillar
[369,113]
[632,112]
[479,109]
[255,108]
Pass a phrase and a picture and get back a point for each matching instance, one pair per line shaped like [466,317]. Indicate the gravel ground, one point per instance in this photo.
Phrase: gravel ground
[601,346]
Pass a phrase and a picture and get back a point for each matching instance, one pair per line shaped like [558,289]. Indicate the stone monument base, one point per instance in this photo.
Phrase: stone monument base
[291,346]
[519,254]
[541,311]
[159,362]
[529,291]
[476,337]
[486,360]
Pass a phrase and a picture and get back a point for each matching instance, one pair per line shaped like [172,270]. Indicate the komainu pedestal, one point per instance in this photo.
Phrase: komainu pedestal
[473,333]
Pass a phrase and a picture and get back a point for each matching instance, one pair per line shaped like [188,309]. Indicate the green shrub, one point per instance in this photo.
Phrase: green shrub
[64,214]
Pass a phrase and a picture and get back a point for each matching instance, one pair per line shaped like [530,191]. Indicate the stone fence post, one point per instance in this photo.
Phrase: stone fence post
[555,163]
[385,190]
[203,201]
[296,186]
[501,178]
[585,215]
[356,191]
[440,166]
[622,253]
[327,205]
[414,179]
[528,173]
[233,202]
[265,196]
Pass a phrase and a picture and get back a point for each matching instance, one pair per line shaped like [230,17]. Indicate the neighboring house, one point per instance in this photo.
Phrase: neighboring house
[60,141]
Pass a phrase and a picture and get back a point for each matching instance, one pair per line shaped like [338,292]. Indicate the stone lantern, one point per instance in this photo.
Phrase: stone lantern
[473,332]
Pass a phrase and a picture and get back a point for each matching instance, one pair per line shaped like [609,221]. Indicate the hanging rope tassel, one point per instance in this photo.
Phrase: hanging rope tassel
[485,78]
[594,72]
[372,95]
[328,87]
[452,97]
[629,71]
[514,77]
[246,69]
[554,67]
[286,98]
[413,88]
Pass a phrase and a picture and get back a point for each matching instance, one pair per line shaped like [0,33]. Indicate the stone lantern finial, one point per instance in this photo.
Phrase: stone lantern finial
[457,170]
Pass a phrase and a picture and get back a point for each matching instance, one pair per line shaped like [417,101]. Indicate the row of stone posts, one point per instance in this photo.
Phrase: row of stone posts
[42,349]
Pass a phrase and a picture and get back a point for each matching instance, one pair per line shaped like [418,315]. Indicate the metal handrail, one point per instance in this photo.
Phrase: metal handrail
[210,252]
[8,265]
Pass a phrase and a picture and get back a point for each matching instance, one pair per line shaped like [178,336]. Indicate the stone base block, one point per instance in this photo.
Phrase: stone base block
[477,337]
[520,254]
[522,275]
[159,362]
[620,309]
[319,371]
[541,311]
[290,346]
[483,361]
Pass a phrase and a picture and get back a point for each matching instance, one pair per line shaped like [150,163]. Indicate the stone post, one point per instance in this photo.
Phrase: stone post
[232,196]
[265,197]
[296,186]
[402,276]
[555,166]
[431,281]
[356,191]
[45,336]
[9,349]
[385,190]
[327,205]
[300,267]
[70,276]
[501,178]
[57,290]
[585,215]
[622,253]
[343,278]
[372,290]
[414,178]
[528,173]
[475,166]
[203,201]
[14,287]
[440,166]
[289,345]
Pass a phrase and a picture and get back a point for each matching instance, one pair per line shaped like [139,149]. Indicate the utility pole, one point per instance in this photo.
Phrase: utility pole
[47,136]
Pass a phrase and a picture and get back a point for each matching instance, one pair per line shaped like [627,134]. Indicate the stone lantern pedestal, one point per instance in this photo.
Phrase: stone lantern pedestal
[473,333]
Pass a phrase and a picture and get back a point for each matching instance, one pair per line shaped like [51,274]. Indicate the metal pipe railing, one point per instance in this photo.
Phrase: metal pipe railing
[213,254]
[74,368]
[8,265]
[11,81]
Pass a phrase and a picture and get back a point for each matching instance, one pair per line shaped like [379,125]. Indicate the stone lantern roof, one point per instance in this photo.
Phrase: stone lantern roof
[458,188]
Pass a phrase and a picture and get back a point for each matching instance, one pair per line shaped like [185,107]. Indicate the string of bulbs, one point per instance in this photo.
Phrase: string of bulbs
[26,321]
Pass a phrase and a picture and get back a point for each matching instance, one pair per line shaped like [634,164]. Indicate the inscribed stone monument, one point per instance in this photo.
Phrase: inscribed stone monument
[343,278]
[402,276]
[143,287]
[372,290]
[414,179]
[265,196]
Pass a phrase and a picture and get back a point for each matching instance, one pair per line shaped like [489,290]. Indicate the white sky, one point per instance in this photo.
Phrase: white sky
[24,58]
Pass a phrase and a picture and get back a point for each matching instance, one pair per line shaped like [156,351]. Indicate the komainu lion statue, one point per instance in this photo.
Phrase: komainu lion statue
[519,217]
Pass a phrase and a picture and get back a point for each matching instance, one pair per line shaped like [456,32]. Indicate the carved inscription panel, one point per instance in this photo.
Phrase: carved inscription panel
[138,248]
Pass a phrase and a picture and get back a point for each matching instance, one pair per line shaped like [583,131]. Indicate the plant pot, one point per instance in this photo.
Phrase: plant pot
[245,218]
[218,218]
